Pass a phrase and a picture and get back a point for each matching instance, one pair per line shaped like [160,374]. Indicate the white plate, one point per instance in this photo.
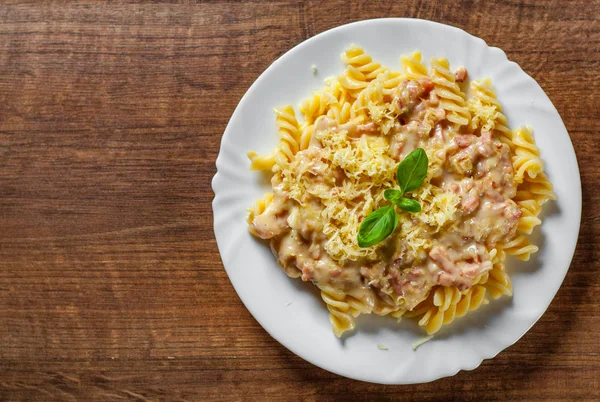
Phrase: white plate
[303,326]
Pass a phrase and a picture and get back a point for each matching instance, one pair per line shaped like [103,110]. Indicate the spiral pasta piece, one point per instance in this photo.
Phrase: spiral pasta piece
[452,99]
[340,312]
[257,209]
[341,114]
[390,79]
[358,307]
[472,300]
[526,159]
[433,320]
[335,88]
[371,95]
[529,220]
[520,247]
[445,304]
[487,111]
[444,297]
[258,162]
[306,133]
[499,283]
[353,81]
[538,189]
[412,67]
[289,135]
[317,105]
[482,278]
[397,314]
[355,56]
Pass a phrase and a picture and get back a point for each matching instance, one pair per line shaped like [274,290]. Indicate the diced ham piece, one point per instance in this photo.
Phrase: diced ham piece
[512,212]
[485,146]
[464,141]
[442,259]
[471,269]
[325,123]
[426,85]
[470,203]
[408,283]
[356,130]
[409,93]
[336,272]
[370,127]
[460,75]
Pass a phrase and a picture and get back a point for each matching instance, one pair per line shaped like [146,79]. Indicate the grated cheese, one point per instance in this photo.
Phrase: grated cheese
[368,170]
[421,341]
[483,115]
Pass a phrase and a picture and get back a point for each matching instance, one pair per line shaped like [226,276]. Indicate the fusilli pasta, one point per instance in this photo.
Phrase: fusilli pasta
[360,117]
[452,99]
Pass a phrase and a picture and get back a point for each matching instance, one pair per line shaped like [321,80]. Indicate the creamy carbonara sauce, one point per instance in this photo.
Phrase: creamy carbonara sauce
[470,176]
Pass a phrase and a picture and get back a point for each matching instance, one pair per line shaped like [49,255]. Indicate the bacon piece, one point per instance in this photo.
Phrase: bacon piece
[420,88]
[370,127]
[460,75]
[471,203]
[442,259]
[336,272]
[485,145]
[356,130]
[409,93]
[464,141]
[512,212]
[426,85]
[409,282]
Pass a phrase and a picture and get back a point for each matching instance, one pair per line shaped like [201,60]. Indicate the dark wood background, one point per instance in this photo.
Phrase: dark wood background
[111,285]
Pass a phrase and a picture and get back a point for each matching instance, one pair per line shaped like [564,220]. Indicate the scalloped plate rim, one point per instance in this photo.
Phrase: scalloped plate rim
[450,371]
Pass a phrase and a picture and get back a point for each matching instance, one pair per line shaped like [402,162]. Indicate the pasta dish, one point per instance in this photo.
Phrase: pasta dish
[348,213]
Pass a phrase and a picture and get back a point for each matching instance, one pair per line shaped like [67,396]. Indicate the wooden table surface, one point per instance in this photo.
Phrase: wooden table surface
[111,115]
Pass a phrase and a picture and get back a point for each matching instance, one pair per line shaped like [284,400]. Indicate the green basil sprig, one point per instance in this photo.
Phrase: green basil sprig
[382,222]
[412,171]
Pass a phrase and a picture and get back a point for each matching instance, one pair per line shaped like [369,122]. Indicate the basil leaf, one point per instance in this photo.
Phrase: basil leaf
[378,225]
[392,195]
[408,205]
[412,170]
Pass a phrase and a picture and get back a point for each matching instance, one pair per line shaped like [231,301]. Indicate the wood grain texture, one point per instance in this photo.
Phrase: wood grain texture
[111,115]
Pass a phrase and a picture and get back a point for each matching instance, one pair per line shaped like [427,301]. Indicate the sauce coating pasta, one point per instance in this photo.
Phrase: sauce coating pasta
[483,192]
